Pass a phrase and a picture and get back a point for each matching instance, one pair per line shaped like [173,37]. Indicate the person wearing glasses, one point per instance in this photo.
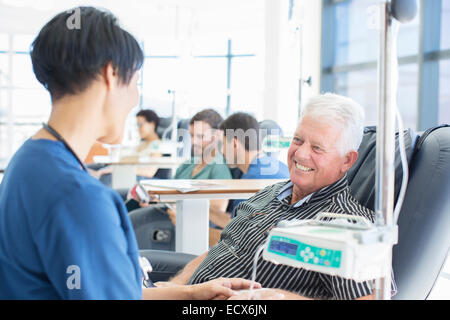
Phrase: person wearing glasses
[63,234]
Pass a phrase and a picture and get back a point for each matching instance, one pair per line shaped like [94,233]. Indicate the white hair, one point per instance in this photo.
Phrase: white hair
[338,111]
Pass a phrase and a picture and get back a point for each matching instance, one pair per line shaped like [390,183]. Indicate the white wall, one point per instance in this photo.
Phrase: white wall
[286,41]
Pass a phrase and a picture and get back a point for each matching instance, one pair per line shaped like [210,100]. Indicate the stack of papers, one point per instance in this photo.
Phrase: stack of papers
[182,186]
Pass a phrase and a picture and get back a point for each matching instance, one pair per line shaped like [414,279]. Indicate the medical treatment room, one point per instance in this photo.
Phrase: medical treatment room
[250,151]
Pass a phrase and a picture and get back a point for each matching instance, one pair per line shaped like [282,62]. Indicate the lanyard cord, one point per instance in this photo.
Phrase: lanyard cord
[60,138]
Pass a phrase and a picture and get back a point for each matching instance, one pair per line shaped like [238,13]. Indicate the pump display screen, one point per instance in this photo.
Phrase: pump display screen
[283,247]
[305,253]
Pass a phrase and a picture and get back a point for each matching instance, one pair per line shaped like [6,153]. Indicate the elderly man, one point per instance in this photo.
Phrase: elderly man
[323,149]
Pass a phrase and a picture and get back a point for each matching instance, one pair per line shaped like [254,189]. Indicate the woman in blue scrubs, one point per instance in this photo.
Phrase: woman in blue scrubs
[63,235]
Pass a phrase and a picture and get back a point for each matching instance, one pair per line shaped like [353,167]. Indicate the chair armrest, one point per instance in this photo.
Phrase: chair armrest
[165,264]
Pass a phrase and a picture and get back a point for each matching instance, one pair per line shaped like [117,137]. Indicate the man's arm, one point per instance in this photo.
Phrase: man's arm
[184,275]
[220,288]
[219,217]
[148,172]
[215,207]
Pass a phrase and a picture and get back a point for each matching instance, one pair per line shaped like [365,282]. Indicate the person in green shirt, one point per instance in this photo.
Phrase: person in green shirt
[207,162]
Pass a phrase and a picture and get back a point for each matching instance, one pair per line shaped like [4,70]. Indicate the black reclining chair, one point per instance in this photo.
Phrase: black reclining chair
[424,221]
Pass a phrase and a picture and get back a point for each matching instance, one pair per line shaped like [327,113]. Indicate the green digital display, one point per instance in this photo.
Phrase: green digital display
[305,253]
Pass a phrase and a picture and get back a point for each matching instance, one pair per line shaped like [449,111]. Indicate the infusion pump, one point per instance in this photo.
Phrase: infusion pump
[353,249]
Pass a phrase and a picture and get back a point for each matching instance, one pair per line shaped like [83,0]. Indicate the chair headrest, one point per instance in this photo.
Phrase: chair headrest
[164,123]
[361,176]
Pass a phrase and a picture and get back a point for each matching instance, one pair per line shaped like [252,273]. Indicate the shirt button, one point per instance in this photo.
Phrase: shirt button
[210,267]
[284,208]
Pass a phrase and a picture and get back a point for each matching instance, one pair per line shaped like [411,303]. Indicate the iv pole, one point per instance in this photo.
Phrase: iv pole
[403,11]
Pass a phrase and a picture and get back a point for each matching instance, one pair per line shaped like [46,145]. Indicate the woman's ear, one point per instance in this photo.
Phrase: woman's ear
[110,76]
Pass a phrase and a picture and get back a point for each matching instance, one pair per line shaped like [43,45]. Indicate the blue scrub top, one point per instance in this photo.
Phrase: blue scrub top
[63,235]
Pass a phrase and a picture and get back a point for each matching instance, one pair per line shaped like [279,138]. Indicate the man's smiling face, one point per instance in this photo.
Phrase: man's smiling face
[313,158]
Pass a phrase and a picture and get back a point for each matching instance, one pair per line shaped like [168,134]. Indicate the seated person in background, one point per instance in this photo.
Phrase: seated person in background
[242,149]
[147,122]
[207,161]
[323,149]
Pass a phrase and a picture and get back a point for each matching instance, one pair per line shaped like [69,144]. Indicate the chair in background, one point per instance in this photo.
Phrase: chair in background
[153,228]
[270,128]
[164,130]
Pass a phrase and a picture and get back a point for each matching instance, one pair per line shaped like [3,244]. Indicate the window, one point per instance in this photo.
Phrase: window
[208,54]
[445,25]
[350,54]
[209,76]
[444,93]
[24,103]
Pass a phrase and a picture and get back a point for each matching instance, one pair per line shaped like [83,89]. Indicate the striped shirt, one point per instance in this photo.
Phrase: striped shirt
[234,254]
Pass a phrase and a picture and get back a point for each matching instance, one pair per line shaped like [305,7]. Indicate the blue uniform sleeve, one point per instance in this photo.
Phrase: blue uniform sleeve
[88,249]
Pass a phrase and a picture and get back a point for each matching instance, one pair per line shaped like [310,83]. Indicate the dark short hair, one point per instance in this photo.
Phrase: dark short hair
[66,60]
[150,116]
[210,116]
[242,121]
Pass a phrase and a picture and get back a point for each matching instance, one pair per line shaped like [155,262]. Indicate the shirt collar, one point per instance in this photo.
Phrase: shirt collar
[325,192]
[286,191]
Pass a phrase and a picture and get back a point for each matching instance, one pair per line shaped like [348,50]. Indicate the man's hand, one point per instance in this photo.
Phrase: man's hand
[221,288]
[173,216]
[153,199]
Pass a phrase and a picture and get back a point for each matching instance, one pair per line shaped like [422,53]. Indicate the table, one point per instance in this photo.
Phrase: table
[124,172]
[192,226]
